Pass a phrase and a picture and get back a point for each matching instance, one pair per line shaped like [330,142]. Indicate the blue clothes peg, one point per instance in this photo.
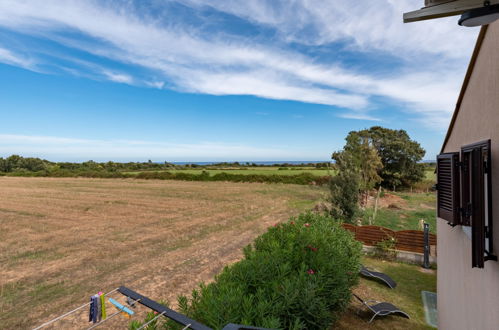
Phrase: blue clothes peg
[121,307]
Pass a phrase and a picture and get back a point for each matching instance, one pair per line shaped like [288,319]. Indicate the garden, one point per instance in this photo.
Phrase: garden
[300,275]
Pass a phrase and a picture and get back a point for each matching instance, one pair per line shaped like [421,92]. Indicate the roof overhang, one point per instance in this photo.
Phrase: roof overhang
[444,8]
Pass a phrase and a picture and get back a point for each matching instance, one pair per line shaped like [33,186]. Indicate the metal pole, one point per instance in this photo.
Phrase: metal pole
[426,263]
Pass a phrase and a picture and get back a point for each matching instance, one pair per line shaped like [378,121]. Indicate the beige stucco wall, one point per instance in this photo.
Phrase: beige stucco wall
[468,298]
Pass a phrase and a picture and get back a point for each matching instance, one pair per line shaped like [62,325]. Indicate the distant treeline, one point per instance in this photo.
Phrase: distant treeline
[248,164]
[17,163]
[35,167]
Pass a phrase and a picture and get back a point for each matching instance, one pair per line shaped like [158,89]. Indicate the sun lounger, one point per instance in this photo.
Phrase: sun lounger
[381,276]
[380,308]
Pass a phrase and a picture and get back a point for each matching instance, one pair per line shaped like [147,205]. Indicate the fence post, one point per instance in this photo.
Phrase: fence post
[426,262]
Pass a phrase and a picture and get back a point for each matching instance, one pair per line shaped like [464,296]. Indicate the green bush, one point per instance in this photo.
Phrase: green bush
[345,196]
[385,249]
[297,275]
[302,178]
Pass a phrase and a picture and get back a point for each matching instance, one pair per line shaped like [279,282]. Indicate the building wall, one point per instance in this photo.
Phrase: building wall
[468,298]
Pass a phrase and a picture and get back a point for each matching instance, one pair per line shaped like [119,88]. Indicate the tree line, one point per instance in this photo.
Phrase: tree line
[16,163]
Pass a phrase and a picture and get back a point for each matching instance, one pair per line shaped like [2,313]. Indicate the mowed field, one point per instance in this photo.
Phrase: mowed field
[62,240]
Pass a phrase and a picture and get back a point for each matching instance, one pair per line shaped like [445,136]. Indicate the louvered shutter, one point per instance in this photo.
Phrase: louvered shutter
[448,188]
[477,195]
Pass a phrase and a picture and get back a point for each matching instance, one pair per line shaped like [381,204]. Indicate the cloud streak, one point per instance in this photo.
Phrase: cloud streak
[8,57]
[185,58]
[53,147]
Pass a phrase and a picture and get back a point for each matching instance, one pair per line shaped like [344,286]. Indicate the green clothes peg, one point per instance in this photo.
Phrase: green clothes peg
[103,305]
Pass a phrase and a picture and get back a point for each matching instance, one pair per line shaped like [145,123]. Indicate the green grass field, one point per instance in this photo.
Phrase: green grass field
[270,170]
[267,170]
[430,175]
[406,212]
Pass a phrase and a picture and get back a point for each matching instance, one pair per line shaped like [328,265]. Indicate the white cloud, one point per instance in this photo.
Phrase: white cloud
[366,24]
[433,54]
[359,116]
[8,57]
[54,148]
[118,77]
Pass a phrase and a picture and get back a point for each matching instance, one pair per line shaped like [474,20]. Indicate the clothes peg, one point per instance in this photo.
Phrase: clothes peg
[126,311]
[102,297]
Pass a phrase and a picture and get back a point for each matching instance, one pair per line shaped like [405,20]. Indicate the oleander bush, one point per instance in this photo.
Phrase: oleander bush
[298,275]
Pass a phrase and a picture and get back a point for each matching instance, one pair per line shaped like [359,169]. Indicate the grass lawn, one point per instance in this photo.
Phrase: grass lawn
[270,170]
[405,211]
[411,280]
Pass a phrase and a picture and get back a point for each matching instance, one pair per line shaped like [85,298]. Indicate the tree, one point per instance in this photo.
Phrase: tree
[345,196]
[358,165]
[365,160]
[13,162]
[34,164]
[3,165]
[399,154]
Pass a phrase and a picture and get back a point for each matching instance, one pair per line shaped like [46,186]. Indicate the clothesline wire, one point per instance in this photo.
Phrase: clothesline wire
[122,309]
[150,321]
[70,312]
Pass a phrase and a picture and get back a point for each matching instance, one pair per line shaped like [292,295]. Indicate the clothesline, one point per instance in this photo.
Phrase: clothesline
[70,312]
[152,320]
[111,316]
[133,298]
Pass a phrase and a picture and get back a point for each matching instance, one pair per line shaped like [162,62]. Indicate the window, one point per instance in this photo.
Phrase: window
[465,196]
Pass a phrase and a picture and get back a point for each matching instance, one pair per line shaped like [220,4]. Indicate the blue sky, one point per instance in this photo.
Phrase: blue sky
[218,80]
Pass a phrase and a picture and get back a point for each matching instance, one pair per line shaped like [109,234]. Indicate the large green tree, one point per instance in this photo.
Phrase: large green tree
[399,154]
[357,165]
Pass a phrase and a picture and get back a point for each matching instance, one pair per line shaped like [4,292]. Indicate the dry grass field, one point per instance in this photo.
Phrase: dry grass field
[62,240]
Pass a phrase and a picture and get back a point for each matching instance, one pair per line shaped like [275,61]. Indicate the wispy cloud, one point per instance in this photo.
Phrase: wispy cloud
[364,24]
[359,116]
[9,57]
[53,147]
[183,57]
[118,77]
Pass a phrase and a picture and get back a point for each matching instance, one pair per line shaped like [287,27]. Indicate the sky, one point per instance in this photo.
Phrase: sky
[221,80]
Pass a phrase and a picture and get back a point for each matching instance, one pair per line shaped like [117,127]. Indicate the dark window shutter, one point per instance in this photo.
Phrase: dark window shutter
[477,193]
[448,188]
[466,161]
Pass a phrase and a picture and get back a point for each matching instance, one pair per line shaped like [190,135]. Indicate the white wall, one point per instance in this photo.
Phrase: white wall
[468,298]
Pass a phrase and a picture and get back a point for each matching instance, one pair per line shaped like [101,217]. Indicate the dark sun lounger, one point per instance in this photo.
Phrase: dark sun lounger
[380,276]
[381,308]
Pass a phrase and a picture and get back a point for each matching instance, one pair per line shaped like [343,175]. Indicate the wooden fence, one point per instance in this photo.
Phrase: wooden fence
[406,240]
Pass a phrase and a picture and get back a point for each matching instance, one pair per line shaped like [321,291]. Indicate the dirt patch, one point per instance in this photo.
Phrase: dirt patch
[426,206]
[388,201]
[62,240]
[427,271]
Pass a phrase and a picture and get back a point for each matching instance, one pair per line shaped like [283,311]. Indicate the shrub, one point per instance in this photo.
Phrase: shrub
[385,249]
[297,275]
[302,178]
[345,196]
[323,180]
